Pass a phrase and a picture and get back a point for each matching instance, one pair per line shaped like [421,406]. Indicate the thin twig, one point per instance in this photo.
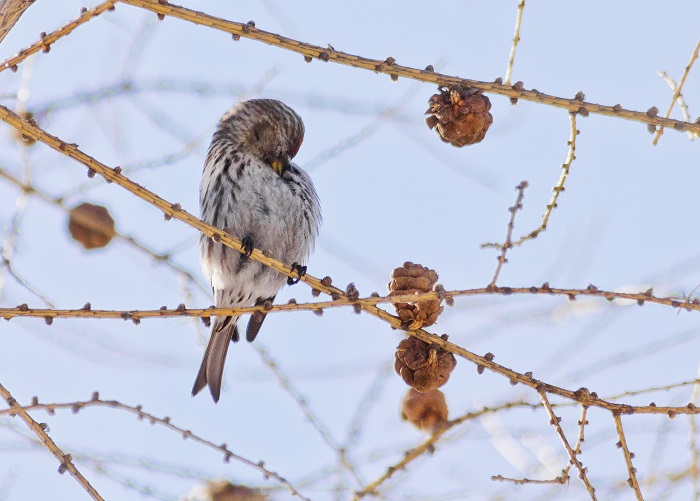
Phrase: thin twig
[652,389]
[389,66]
[558,188]
[516,40]
[561,479]
[677,92]
[426,446]
[362,412]
[365,132]
[310,415]
[7,265]
[206,88]
[165,258]
[564,477]
[508,244]
[9,246]
[76,407]
[45,43]
[582,422]
[681,102]
[10,12]
[632,480]
[65,460]
[554,421]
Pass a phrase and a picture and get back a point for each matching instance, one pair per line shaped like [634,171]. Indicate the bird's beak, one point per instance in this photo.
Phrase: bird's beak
[278,166]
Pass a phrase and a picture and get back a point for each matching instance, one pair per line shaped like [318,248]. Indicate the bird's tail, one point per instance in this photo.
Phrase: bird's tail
[211,371]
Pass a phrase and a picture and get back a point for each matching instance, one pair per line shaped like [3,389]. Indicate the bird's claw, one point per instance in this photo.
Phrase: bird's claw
[247,246]
[300,270]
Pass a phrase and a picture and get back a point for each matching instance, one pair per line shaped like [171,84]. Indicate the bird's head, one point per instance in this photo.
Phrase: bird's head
[266,129]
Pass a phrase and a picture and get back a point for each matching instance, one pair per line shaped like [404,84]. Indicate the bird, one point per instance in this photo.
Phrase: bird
[251,189]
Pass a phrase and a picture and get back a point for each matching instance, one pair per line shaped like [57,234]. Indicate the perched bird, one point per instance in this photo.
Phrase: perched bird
[252,190]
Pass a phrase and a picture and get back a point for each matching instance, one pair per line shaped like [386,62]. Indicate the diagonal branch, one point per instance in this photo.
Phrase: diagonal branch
[65,459]
[428,446]
[582,422]
[75,407]
[632,480]
[170,210]
[389,66]
[554,421]
[679,88]
[310,415]
[10,12]
[563,477]
[681,102]
[59,202]
[45,43]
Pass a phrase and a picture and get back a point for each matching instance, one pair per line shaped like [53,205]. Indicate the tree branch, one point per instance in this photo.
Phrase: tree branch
[45,43]
[554,421]
[389,67]
[95,401]
[39,430]
[23,310]
[10,12]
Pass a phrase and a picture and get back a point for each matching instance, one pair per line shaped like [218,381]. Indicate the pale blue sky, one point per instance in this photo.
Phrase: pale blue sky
[396,193]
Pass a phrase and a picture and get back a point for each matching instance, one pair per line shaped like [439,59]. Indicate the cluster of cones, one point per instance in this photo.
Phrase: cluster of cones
[422,366]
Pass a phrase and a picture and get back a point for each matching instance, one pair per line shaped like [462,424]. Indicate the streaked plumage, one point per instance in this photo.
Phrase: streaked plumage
[251,189]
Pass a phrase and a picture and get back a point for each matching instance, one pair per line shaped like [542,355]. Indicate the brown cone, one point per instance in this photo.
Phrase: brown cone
[422,366]
[415,279]
[426,411]
[91,225]
[223,490]
[460,115]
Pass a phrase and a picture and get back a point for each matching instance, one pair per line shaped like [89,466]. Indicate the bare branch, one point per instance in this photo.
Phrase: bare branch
[516,40]
[95,401]
[10,12]
[564,476]
[558,188]
[677,92]
[632,480]
[310,415]
[681,102]
[45,43]
[165,258]
[690,304]
[39,430]
[428,446]
[561,479]
[389,67]
[582,422]
[554,421]
[508,244]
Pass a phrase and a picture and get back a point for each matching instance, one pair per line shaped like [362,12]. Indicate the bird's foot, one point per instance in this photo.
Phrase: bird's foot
[300,270]
[247,246]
